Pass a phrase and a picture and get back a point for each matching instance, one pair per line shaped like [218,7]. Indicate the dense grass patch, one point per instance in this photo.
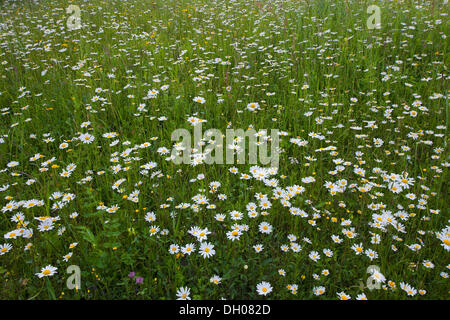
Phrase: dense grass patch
[85,138]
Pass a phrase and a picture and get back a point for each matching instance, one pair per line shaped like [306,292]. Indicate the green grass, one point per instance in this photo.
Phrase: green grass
[268,47]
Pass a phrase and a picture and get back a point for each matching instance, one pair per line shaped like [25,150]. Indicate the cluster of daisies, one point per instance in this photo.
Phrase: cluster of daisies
[87,146]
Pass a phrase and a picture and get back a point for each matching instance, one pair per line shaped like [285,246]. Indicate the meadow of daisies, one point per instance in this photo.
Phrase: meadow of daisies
[356,208]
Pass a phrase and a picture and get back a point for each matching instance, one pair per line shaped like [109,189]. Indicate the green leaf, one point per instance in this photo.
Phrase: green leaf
[87,234]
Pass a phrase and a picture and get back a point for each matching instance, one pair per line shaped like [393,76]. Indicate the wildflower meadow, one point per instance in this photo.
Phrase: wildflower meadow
[224,149]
